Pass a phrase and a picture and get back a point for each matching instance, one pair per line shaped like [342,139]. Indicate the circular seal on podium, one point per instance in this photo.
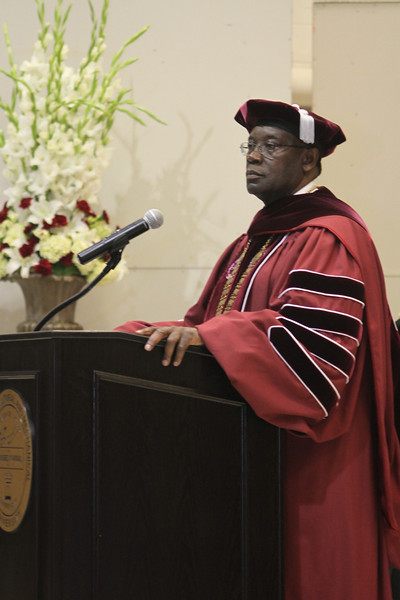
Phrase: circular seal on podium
[15,459]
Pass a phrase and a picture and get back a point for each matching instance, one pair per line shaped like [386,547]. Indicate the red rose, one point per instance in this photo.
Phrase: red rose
[58,221]
[27,248]
[43,268]
[106,217]
[29,228]
[83,205]
[2,246]
[3,213]
[67,259]
[25,203]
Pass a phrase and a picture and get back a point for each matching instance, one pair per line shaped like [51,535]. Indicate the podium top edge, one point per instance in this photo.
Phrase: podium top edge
[86,334]
[69,333]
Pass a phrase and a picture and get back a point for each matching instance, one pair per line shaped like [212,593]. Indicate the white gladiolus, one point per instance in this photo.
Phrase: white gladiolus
[55,149]
[17,263]
[43,210]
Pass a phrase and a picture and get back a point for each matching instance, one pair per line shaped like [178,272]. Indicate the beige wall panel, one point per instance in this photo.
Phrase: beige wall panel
[198,62]
[357,84]
[356,1]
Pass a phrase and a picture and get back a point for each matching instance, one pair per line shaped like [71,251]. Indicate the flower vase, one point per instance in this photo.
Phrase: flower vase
[44,292]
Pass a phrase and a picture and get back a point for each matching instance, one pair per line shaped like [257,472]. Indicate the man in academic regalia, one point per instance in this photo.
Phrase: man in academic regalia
[295,312]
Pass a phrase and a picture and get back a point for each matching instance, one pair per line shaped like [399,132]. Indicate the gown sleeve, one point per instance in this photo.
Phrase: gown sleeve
[291,351]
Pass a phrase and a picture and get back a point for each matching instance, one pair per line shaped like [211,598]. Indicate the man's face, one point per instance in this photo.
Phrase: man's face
[272,178]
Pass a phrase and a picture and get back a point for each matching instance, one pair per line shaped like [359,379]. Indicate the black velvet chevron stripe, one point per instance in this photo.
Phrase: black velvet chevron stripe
[327,284]
[321,346]
[303,367]
[318,318]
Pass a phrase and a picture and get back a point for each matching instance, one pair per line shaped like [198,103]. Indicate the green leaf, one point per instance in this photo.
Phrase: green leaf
[150,114]
[118,54]
[60,269]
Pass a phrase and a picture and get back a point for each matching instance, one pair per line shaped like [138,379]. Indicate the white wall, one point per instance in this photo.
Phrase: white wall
[357,84]
[302,68]
[198,63]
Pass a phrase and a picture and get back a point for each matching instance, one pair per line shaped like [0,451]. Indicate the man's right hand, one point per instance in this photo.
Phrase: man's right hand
[178,339]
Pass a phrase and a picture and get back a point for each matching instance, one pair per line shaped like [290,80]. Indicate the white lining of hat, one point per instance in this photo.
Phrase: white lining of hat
[307,125]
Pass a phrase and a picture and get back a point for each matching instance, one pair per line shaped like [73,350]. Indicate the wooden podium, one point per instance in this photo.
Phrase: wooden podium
[148,483]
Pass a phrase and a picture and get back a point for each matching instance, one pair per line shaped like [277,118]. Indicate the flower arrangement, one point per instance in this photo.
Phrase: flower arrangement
[55,148]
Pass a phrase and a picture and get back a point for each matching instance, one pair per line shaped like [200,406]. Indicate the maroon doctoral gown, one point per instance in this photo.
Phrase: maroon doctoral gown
[310,344]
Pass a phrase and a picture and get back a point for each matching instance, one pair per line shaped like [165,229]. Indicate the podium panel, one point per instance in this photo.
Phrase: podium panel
[148,482]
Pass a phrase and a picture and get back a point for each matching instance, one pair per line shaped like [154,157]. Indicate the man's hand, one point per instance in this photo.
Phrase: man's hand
[178,340]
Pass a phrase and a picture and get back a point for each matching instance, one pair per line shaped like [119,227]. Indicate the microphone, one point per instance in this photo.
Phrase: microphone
[152,219]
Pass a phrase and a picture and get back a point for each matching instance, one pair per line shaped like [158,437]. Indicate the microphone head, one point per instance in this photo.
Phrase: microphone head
[154,218]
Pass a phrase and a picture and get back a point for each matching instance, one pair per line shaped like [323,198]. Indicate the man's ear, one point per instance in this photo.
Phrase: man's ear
[310,159]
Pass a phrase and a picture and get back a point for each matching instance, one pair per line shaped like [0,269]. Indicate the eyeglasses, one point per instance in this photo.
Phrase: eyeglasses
[268,150]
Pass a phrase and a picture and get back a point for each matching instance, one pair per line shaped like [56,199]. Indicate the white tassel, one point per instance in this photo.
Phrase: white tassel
[307,126]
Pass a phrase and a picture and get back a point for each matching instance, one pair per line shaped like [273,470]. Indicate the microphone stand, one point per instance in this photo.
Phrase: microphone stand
[115,257]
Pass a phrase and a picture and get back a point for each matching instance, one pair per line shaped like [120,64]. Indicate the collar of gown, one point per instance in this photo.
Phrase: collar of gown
[291,212]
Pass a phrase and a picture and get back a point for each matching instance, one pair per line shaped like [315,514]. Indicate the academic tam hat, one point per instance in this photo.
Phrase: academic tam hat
[309,127]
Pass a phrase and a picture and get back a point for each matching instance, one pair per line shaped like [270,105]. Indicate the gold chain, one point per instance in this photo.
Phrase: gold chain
[228,295]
